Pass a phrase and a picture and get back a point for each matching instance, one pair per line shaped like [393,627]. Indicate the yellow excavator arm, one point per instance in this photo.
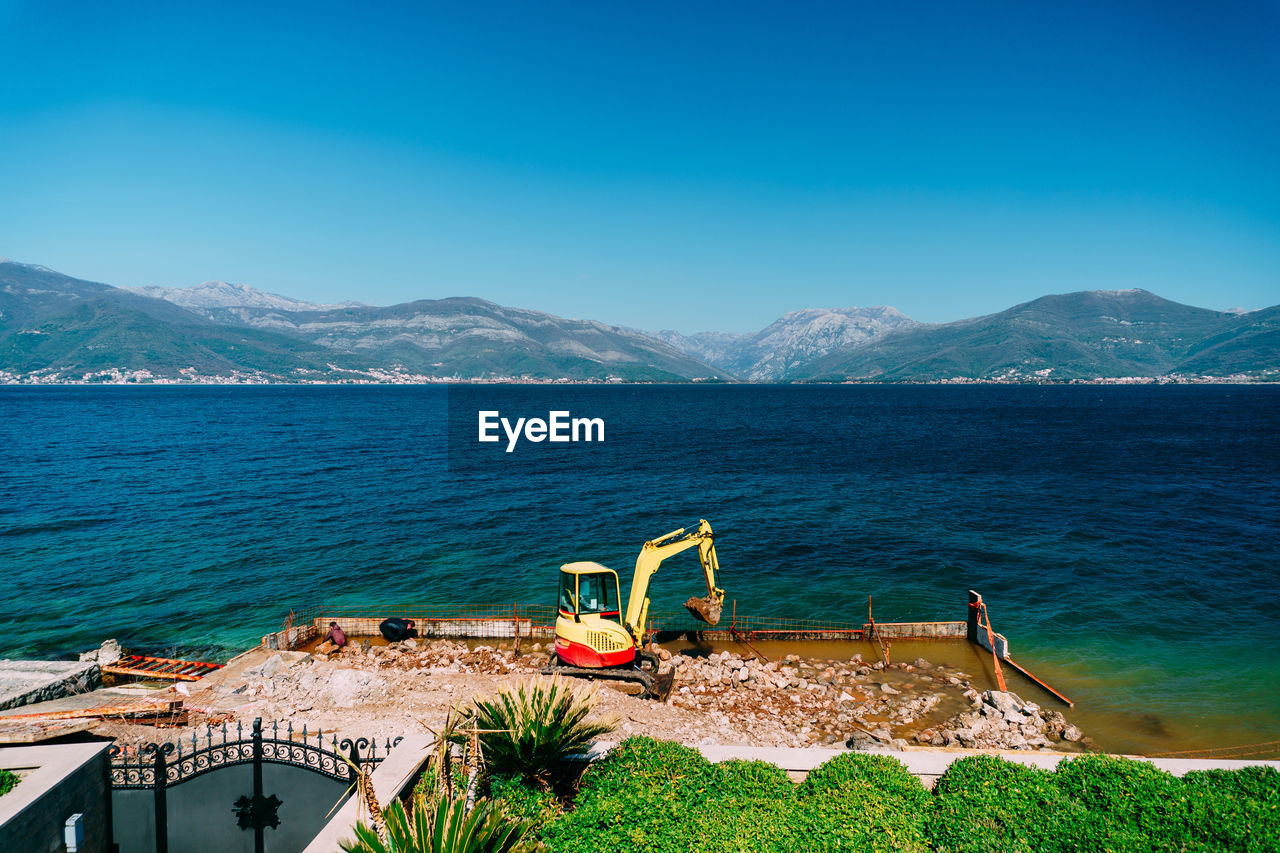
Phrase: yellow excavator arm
[706,609]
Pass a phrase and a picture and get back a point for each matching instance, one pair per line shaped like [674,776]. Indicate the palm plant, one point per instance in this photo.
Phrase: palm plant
[443,818]
[441,826]
[530,731]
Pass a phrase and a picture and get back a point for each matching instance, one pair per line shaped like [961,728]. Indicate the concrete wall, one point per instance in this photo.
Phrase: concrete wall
[56,782]
[929,764]
[355,627]
[1002,645]
[292,638]
[25,682]
[390,779]
[918,630]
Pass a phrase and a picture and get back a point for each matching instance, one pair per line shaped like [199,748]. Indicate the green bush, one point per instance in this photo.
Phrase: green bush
[538,808]
[7,781]
[1134,805]
[754,780]
[750,806]
[853,769]
[661,797]
[1233,809]
[639,798]
[983,803]
[862,802]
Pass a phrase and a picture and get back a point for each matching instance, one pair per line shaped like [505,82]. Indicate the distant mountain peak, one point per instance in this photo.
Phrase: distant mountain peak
[794,339]
[37,267]
[222,294]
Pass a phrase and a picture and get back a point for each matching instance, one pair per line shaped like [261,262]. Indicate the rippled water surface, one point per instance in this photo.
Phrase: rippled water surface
[1127,540]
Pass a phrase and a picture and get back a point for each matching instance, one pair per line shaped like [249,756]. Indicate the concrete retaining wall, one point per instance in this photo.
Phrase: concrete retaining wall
[390,779]
[292,638]
[25,682]
[1002,645]
[56,782]
[355,627]
[929,764]
[918,630]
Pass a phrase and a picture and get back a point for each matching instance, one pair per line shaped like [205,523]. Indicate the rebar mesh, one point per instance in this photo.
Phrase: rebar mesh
[756,626]
[495,621]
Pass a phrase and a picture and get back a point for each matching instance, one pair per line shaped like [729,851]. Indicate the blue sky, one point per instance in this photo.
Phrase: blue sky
[687,166]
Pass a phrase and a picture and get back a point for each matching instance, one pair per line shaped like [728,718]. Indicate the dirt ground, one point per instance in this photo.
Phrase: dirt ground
[381,692]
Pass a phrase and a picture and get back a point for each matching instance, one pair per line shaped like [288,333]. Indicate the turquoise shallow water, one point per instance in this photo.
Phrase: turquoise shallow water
[1127,539]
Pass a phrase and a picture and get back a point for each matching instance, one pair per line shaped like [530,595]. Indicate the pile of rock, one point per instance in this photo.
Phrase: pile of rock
[866,705]
[822,702]
[438,656]
[1002,720]
[734,697]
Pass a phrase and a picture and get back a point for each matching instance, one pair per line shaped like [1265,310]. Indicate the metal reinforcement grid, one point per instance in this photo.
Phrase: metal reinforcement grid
[758,627]
[479,621]
[483,621]
[540,614]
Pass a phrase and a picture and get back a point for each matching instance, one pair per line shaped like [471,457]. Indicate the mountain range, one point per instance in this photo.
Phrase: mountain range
[1084,335]
[785,347]
[55,328]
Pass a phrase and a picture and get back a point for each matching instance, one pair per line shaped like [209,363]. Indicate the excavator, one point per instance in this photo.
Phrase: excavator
[595,640]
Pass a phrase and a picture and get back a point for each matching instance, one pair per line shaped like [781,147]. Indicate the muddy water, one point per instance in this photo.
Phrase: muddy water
[1112,730]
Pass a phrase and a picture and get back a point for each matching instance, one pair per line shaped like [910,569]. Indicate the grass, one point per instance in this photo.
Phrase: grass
[8,780]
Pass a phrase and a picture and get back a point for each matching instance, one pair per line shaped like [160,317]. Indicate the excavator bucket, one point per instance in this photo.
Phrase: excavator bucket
[705,609]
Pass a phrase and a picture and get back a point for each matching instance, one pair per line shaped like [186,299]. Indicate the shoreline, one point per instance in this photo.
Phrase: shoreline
[384,691]
[398,689]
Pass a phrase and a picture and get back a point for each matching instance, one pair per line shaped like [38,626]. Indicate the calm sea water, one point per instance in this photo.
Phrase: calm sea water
[1127,540]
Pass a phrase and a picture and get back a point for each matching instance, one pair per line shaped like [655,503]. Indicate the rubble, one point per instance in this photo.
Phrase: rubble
[729,698]
[1002,720]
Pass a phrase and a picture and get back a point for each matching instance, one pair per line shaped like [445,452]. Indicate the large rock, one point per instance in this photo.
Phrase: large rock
[273,667]
[108,652]
[1003,701]
[349,687]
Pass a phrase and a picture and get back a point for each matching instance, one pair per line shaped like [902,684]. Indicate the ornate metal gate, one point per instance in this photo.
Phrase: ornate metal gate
[160,806]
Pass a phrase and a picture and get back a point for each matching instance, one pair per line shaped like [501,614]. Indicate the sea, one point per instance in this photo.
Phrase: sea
[1125,538]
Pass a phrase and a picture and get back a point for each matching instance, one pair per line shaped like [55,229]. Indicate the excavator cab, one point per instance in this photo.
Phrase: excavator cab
[589,630]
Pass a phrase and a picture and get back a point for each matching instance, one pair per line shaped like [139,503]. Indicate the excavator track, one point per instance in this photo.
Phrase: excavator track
[656,685]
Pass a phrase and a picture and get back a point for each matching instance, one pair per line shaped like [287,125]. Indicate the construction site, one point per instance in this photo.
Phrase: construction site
[707,675]
[342,694]
[333,691]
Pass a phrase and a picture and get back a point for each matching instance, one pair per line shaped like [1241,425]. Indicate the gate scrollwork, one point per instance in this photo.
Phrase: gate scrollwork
[224,746]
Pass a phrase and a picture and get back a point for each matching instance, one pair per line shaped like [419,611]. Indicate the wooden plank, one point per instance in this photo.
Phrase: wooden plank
[37,732]
[148,707]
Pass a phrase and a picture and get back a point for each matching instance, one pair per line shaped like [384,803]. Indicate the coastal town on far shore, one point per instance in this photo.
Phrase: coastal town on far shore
[401,376]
